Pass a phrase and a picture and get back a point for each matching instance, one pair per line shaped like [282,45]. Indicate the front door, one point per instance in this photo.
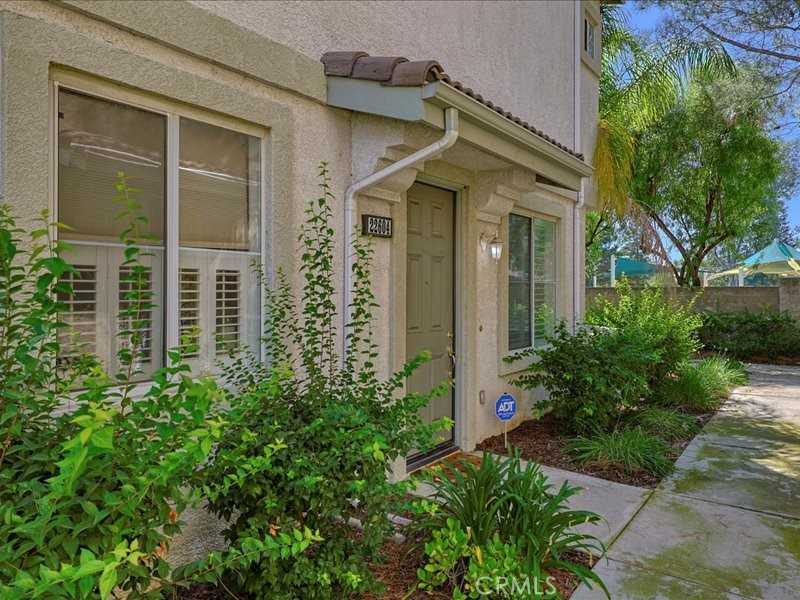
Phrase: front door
[430,322]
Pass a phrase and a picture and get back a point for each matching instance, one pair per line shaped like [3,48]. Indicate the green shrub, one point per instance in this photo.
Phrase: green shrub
[629,449]
[664,326]
[744,336]
[591,376]
[668,424]
[93,477]
[329,428]
[501,519]
[700,384]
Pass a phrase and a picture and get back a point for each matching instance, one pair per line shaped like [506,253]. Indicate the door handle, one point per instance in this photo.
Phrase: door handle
[452,354]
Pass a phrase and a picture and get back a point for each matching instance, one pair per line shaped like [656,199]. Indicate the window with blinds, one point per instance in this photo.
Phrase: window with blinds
[531,281]
[217,205]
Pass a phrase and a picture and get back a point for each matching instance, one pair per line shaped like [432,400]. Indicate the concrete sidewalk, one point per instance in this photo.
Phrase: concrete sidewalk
[726,523]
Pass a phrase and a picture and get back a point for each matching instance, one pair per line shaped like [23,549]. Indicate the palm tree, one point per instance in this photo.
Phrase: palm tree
[639,83]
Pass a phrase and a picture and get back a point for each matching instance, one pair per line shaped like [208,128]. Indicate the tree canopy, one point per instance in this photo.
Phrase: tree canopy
[708,172]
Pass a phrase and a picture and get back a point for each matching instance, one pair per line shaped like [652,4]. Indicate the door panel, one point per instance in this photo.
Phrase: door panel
[429,293]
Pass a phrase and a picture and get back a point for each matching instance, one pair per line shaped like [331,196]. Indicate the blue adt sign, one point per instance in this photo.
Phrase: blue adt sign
[506,407]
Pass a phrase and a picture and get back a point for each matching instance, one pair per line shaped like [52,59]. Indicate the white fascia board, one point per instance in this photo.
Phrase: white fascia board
[480,125]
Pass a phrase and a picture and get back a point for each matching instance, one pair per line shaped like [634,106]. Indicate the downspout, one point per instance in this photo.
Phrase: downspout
[446,141]
[577,234]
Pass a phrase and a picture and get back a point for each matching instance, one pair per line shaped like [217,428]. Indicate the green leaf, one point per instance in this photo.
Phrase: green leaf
[108,579]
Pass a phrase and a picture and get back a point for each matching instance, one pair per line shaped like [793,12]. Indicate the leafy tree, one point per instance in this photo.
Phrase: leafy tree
[709,171]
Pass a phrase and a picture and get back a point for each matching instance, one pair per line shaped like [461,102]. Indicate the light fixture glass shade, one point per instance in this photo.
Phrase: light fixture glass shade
[496,249]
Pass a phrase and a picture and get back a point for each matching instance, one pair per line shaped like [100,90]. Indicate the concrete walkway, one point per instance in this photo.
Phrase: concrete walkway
[726,523]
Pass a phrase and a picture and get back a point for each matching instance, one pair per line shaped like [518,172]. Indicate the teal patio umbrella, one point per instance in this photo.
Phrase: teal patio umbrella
[776,259]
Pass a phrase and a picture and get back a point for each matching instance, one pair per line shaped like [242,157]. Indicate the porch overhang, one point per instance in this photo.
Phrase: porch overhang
[480,126]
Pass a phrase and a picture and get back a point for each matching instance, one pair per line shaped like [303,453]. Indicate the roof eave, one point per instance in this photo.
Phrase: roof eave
[479,124]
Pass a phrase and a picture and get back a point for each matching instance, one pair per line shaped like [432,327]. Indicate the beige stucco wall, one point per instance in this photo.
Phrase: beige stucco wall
[518,54]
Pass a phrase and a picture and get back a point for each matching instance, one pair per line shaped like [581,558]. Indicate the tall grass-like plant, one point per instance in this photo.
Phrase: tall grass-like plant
[668,424]
[700,385]
[629,449]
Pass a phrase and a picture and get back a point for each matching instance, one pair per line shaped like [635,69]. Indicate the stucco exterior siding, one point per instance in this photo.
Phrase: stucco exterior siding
[519,54]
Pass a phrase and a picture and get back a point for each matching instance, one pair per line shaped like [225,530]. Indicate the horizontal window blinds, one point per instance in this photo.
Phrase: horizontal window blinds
[96,140]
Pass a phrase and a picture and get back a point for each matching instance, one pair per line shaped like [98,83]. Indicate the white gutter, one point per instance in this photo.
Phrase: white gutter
[577,234]
[446,141]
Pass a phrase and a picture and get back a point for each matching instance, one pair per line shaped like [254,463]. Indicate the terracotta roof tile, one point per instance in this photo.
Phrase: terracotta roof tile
[397,71]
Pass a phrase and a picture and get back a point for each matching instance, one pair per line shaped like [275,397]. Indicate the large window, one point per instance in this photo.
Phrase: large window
[531,280]
[200,195]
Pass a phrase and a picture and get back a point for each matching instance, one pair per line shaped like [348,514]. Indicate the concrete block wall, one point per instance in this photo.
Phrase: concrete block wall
[785,297]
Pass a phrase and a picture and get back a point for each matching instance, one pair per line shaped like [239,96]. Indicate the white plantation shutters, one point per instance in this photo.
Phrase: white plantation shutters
[216,205]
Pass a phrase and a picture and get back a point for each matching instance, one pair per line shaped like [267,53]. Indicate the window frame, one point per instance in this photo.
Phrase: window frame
[173,111]
[542,209]
[591,17]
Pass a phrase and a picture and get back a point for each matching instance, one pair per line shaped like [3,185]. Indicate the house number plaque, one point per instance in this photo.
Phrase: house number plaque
[376,226]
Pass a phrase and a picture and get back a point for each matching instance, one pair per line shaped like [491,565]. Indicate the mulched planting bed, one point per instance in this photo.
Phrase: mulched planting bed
[544,441]
[760,359]
[398,573]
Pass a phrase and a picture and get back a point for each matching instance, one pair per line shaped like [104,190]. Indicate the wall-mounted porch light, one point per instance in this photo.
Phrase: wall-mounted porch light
[493,244]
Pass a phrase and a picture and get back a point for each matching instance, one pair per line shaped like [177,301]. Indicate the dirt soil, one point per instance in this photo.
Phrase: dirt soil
[544,442]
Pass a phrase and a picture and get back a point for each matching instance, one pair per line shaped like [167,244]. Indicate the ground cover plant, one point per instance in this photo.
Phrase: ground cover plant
[765,336]
[501,521]
[624,392]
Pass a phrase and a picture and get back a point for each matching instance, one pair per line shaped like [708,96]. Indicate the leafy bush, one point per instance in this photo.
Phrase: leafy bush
[630,449]
[700,384]
[664,326]
[93,476]
[312,436]
[501,519]
[591,376]
[745,336]
[665,423]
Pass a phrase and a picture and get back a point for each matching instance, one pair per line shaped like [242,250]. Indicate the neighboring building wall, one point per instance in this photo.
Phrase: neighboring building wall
[725,299]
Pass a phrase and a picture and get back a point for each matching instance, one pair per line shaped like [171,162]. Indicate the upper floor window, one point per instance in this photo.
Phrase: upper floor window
[531,280]
[588,38]
[201,190]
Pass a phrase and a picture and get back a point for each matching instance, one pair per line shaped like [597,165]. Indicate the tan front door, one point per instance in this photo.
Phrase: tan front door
[430,322]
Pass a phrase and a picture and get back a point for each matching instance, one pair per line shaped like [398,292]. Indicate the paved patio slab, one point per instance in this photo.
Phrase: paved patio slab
[772,406]
[734,428]
[728,549]
[628,582]
[766,480]
[617,503]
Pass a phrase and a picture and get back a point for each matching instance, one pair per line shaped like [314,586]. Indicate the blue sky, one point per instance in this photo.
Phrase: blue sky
[645,21]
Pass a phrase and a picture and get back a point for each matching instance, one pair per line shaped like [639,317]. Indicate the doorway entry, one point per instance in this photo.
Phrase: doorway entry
[430,312]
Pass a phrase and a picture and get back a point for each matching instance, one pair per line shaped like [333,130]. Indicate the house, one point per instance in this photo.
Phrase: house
[457,132]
